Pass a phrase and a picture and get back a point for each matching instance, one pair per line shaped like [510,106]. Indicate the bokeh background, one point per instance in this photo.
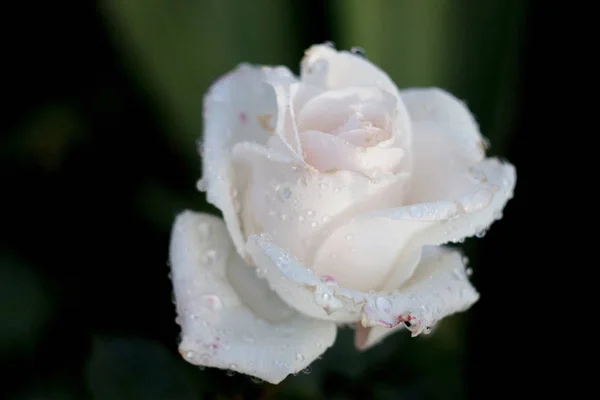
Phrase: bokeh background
[98,154]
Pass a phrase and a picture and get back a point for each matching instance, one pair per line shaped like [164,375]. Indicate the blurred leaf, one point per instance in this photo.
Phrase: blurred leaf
[180,47]
[25,304]
[131,369]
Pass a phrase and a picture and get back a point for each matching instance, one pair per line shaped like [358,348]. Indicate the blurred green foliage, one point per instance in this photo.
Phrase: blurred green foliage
[171,51]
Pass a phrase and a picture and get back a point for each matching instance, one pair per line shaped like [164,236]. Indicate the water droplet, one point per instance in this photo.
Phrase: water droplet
[260,272]
[313,224]
[300,218]
[299,357]
[285,192]
[383,304]
[337,190]
[201,185]
[209,257]
[325,219]
[230,373]
[307,370]
[319,67]
[189,355]
[205,229]
[469,271]
[310,213]
[213,301]
[358,51]
[319,344]
[325,296]
[458,273]
[323,185]
[481,233]
[416,211]
[349,236]
[329,44]
[284,217]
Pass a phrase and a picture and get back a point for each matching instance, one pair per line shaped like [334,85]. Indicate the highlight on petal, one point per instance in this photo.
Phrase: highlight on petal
[438,288]
[445,143]
[437,106]
[239,107]
[220,326]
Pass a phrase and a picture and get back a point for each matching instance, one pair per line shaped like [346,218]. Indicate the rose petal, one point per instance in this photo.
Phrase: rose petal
[300,287]
[218,329]
[439,287]
[299,206]
[241,106]
[331,109]
[330,69]
[446,140]
[385,238]
[328,152]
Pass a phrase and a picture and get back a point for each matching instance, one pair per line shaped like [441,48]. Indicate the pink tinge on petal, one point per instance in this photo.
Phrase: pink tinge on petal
[331,153]
[332,109]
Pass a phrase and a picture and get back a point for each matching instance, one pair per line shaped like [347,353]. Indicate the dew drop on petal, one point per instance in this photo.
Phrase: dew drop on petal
[209,257]
[313,224]
[201,185]
[299,357]
[205,230]
[469,271]
[358,51]
[213,301]
[383,304]
[310,213]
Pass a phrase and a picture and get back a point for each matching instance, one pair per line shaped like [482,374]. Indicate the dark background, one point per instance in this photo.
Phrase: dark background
[98,154]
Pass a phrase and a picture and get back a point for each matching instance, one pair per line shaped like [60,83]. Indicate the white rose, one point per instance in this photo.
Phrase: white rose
[337,190]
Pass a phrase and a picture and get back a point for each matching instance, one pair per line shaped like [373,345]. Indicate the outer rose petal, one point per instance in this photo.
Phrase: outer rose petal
[331,69]
[446,141]
[218,329]
[241,106]
[392,235]
[439,287]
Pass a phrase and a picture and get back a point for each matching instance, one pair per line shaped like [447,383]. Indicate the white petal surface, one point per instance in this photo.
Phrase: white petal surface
[299,206]
[328,68]
[389,237]
[445,140]
[439,287]
[327,152]
[301,287]
[241,106]
[218,328]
